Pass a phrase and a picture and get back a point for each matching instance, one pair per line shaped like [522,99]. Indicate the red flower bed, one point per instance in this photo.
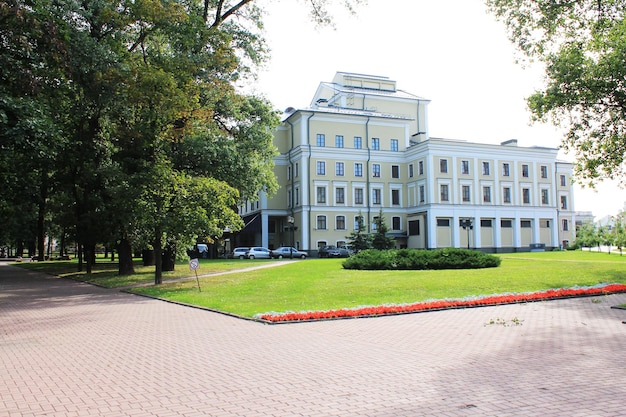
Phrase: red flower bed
[441,304]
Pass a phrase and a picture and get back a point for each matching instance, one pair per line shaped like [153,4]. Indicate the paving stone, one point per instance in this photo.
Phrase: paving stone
[72,349]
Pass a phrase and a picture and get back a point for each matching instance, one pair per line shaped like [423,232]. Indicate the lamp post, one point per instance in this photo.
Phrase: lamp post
[466,224]
[291,222]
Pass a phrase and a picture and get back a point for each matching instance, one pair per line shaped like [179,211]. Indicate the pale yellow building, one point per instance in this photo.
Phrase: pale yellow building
[363,146]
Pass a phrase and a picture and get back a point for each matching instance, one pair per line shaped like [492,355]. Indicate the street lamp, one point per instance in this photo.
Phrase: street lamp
[466,224]
[291,222]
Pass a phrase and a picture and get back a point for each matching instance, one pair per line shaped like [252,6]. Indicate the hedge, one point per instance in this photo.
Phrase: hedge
[416,259]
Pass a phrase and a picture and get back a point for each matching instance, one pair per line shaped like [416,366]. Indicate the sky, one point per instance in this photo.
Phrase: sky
[451,52]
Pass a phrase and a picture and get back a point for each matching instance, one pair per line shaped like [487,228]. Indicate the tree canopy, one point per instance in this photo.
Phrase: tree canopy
[583,46]
[121,122]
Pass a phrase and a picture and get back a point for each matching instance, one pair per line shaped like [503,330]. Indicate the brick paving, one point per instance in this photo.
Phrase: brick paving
[72,349]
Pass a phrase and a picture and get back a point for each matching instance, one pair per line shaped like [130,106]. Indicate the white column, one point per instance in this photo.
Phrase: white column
[265,237]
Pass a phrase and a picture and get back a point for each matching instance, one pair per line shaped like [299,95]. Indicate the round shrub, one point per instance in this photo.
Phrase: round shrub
[416,259]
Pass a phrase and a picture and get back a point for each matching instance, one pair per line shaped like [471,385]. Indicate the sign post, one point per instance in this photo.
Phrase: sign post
[194,264]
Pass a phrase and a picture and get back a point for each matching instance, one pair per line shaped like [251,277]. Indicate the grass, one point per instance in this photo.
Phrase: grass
[322,284]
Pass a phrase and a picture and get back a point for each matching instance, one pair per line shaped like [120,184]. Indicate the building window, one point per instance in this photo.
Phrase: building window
[339,169]
[376,170]
[321,195]
[486,194]
[358,169]
[376,196]
[358,142]
[297,192]
[565,225]
[544,223]
[443,166]
[394,145]
[374,222]
[506,195]
[395,197]
[466,193]
[420,168]
[375,144]
[340,196]
[506,223]
[544,171]
[422,194]
[506,170]
[443,222]
[525,170]
[321,168]
[544,197]
[338,141]
[396,223]
[486,223]
[465,167]
[297,170]
[395,171]
[414,228]
[563,181]
[340,222]
[321,139]
[288,198]
[526,195]
[563,202]
[321,222]
[525,224]
[444,192]
[356,222]
[410,170]
[358,196]
[288,173]
[486,170]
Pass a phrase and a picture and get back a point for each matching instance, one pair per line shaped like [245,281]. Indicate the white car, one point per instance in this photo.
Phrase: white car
[258,252]
[239,253]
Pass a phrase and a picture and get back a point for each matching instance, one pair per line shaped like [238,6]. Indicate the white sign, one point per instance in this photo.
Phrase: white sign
[194,264]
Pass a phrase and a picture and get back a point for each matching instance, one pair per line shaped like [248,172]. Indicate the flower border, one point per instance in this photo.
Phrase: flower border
[445,304]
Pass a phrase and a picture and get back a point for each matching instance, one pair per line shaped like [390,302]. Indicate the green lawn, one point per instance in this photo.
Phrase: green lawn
[320,284]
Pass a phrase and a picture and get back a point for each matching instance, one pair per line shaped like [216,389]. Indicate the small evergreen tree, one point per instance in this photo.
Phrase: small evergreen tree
[358,239]
[380,240]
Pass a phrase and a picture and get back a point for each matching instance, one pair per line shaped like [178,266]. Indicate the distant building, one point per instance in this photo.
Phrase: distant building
[364,146]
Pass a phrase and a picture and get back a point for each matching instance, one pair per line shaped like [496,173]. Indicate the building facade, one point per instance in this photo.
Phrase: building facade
[363,148]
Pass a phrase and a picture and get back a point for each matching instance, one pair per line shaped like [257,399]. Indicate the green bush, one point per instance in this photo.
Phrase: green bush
[415,259]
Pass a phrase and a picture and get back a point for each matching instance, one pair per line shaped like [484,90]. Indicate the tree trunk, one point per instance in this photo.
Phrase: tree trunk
[158,264]
[147,256]
[90,251]
[125,252]
[169,257]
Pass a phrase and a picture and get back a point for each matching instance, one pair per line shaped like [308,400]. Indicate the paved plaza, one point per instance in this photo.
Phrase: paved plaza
[73,349]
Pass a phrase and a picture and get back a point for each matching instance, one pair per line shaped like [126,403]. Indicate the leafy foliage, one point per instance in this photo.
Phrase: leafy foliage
[413,259]
[583,45]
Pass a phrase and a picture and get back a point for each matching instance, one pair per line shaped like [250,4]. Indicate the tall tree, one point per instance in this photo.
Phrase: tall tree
[583,46]
[380,240]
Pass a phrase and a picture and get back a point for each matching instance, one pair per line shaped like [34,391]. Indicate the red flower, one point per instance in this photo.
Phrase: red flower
[441,304]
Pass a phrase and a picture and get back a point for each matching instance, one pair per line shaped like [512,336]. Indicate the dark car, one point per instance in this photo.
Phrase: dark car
[332,251]
[323,251]
[339,253]
[288,252]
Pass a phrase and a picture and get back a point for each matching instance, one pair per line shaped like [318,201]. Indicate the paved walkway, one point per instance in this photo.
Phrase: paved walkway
[72,349]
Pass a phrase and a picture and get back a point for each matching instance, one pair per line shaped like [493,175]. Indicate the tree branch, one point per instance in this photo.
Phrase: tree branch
[219,17]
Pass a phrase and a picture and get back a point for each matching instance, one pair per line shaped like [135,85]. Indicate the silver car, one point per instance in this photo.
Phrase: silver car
[287,252]
[239,253]
[258,252]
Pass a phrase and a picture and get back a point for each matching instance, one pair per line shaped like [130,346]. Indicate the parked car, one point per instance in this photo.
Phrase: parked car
[258,252]
[288,252]
[239,253]
[323,251]
[339,252]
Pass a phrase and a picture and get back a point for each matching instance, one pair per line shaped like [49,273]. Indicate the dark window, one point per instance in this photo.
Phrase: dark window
[395,171]
[506,223]
[395,197]
[443,222]
[486,223]
[414,228]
